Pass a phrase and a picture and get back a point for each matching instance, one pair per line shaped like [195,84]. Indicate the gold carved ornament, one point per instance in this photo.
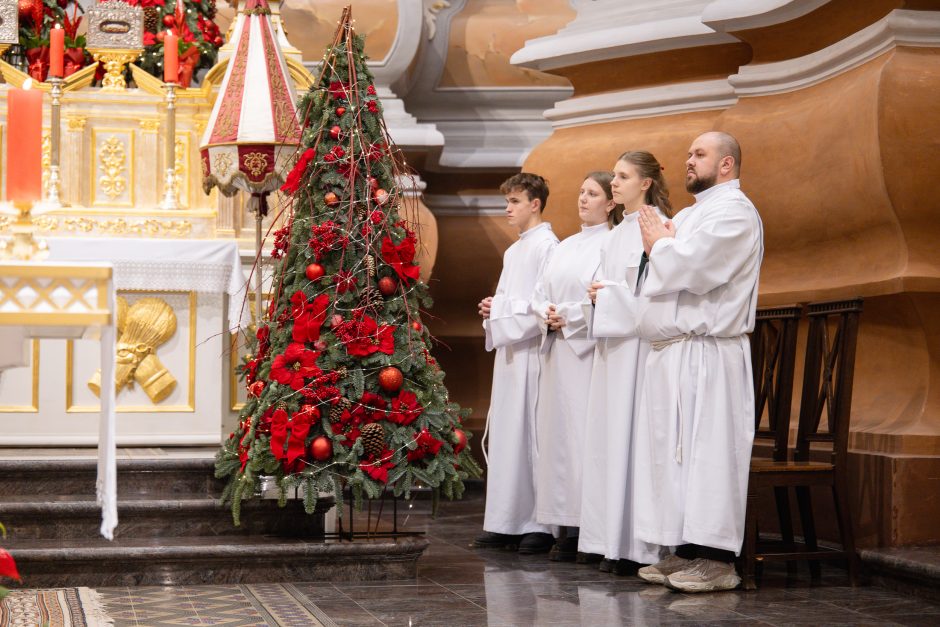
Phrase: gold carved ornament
[113,159]
[143,327]
[256,162]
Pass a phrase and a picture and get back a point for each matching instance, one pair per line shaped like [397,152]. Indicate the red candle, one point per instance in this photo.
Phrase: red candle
[56,51]
[24,143]
[171,58]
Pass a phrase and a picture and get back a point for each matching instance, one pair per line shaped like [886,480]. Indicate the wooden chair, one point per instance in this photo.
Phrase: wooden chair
[773,359]
[827,386]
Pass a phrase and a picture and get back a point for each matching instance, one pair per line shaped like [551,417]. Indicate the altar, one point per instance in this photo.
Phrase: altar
[178,300]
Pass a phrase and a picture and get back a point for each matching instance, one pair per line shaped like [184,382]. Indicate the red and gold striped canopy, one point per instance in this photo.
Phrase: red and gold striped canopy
[253,131]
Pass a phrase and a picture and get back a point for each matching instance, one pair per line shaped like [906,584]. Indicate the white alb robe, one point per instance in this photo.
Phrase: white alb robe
[513,331]
[695,424]
[606,502]
[565,375]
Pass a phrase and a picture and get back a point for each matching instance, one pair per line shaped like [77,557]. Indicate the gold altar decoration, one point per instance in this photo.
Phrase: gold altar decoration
[142,327]
[114,62]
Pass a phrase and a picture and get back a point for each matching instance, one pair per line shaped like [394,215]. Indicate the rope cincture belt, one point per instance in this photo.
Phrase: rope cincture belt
[658,345]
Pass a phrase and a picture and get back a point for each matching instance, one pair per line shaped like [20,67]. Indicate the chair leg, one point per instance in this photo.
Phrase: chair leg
[846,534]
[750,541]
[804,501]
[782,496]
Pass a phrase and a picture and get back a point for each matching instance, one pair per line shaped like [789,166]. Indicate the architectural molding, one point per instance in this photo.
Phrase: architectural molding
[734,15]
[644,102]
[466,205]
[898,28]
[612,29]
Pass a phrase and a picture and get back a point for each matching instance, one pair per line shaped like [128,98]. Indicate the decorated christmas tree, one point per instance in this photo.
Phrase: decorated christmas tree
[342,388]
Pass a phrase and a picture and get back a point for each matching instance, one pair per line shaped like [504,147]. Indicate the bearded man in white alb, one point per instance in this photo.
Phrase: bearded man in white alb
[695,424]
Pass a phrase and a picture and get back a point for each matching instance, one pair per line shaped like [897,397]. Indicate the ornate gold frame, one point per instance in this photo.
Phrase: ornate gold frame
[129,158]
[127,409]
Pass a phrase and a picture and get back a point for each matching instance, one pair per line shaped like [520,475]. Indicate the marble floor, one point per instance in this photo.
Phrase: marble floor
[460,586]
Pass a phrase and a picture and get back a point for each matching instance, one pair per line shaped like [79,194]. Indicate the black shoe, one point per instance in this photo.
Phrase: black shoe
[626,568]
[533,543]
[490,540]
[565,550]
[589,558]
[606,565]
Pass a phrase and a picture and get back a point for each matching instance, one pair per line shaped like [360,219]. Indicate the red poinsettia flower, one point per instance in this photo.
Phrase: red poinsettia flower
[377,468]
[351,436]
[401,257]
[427,445]
[308,316]
[338,90]
[363,336]
[149,38]
[296,175]
[294,365]
[8,566]
[405,408]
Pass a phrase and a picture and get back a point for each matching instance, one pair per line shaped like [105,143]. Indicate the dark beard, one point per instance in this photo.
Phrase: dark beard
[700,184]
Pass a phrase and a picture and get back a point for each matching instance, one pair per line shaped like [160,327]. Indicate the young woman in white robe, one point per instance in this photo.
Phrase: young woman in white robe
[567,356]
[607,499]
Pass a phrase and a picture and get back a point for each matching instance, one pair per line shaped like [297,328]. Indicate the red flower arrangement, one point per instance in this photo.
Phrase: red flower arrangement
[294,365]
[363,336]
[308,316]
[427,445]
[405,408]
[401,258]
[377,468]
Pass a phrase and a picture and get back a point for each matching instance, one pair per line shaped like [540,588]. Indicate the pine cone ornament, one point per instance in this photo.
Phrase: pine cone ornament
[373,439]
[370,298]
[337,412]
[151,19]
[211,9]
[369,260]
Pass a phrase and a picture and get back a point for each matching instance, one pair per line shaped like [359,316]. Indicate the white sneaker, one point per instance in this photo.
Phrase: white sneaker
[658,572]
[704,575]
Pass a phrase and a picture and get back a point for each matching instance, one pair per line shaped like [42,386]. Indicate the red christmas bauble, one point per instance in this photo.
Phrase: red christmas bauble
[320,345]
[256,388]
[331,199]
[321,449]
[340,111]
[314,271]
[387,285]
[218,41]
[335,132]
[461,441]
[416,326]
[169,20]
[373,183]
[390,379]
[381,196]
[336,320]
[161,36]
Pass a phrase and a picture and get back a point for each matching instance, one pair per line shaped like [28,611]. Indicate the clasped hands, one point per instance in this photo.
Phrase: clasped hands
[652,228]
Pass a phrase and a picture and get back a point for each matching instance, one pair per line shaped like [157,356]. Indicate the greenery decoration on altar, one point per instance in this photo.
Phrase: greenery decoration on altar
[342,387]
[36,18]
[193,21]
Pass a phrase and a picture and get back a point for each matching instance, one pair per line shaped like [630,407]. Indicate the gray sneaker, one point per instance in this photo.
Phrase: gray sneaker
[704,575]
[658,572]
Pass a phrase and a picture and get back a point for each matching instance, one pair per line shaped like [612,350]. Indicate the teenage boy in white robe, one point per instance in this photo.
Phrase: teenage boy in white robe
[606,501]
[512,329]
[567,358]
[695,424]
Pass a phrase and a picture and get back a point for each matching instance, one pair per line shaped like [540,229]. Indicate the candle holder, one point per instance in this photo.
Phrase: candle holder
[23,245]
[170,195]
[54,183]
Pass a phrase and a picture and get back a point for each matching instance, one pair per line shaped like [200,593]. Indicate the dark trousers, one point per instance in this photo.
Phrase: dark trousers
[693,551]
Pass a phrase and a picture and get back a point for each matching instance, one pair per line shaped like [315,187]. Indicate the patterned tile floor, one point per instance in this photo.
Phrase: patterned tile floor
[458,586]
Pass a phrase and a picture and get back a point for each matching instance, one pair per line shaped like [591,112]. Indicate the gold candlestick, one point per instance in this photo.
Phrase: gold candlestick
[170,196]
[23,246]
[54,184]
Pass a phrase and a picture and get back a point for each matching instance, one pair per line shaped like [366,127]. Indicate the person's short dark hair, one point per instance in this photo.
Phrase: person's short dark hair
[532,184]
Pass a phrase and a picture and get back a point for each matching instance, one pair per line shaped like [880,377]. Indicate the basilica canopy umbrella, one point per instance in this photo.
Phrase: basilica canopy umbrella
[253,132]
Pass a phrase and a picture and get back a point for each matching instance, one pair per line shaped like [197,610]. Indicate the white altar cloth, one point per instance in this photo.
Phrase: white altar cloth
[208,266]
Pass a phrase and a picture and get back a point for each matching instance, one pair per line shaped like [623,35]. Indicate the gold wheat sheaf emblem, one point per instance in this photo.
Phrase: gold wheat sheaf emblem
[142,327]
[112,161]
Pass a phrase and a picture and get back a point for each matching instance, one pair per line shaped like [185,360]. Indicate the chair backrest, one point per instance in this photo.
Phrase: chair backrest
[773,357]
[827,377]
